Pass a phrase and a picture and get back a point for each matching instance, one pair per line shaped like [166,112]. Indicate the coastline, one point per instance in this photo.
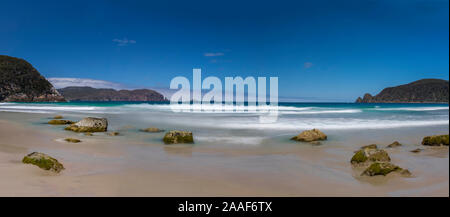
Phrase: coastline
[116,166]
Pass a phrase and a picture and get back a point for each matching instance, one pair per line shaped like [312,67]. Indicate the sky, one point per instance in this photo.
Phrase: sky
[319,50]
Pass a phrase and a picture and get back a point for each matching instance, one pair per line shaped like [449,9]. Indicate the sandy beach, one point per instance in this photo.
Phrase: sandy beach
[115,166]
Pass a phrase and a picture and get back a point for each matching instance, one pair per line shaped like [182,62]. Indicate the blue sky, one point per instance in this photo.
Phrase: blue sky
[322,50]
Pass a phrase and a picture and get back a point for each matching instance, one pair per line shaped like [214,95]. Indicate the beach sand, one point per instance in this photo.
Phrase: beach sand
[114,166]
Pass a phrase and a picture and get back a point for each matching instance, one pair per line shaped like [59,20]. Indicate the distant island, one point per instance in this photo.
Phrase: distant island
[421,91]
[21,82]
[104,94]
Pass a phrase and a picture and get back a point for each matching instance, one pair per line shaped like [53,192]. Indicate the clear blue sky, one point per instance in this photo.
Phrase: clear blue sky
[319,49]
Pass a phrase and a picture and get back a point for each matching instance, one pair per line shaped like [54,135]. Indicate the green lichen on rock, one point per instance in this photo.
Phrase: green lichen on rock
[43,161]
[72,140]
[381,169]
[176,136]
[60,122]
[370,154]
[436,140]
[310,136]
[152,130]
[359,157]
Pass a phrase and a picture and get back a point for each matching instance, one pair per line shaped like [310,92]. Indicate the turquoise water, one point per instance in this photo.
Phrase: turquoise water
[246,128]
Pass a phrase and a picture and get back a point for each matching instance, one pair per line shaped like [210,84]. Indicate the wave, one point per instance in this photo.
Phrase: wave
[335,125]
[412,109]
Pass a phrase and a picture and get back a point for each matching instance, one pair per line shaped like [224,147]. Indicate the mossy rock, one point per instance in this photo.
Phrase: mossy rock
[72,140]
[78,129]
[151,130]
[58,117]
[88,134]
[376,169]
[370,155]
[43,161]
[359,157]
[60,122]
[436,140]
[394,144]
[175,137]
[113,133]
[310,136]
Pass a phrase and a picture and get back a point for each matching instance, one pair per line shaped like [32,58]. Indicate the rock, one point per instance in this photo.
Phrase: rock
[113,133]
[89,125]
[58,117]
[43,161]
[394,144]
[175,136]
[88,134]
[310,135]
[370,154]
[417,150]
[437,140]
[381,169]
[372,146]
[60,122]
[72,140]
[152,130]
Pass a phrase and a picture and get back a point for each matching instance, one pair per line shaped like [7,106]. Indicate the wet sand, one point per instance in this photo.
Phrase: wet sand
[114,166]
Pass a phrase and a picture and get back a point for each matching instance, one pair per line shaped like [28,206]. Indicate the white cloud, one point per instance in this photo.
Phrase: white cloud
[123,42]
[83,82]
[213,54]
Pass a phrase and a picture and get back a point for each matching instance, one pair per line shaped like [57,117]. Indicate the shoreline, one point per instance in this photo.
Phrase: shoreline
[111,166]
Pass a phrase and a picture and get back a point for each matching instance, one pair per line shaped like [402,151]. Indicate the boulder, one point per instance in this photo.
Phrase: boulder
[89,125]
[152,130]
[60,122]
[72,140]
[43,161]
[176,136]
[370,154]
[381,169]
[417,150]
[394,144]
[372,146]
[58,117]
[88,134]
[310,136]
[437,140]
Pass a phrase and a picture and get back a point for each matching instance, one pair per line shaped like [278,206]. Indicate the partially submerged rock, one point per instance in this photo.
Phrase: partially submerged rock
[58,117]
[417,150]
[372,146]
[370,154]
[89,125]
[436,140]
[176,136]
[43,161]
[113,133]
[72,140]
[152,130]
[381,169]
[310,136]
[60,122]
[394,144]
[88,134]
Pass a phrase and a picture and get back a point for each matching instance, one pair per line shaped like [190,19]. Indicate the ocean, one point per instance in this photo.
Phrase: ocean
[244,128]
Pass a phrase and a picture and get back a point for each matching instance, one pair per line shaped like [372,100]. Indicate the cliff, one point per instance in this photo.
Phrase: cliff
[421,91]
[21,82]
[102,94]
